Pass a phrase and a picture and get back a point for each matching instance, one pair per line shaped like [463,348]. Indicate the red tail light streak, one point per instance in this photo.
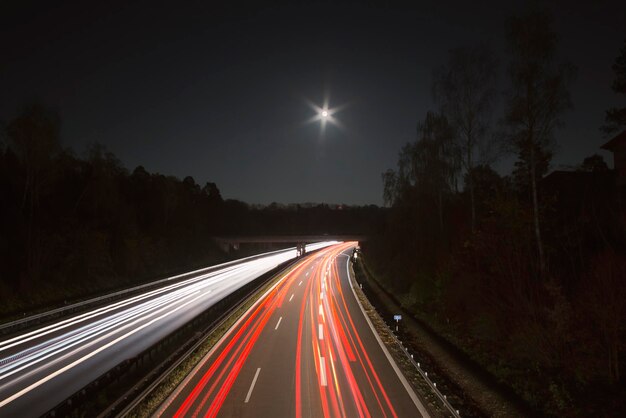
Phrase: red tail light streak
[316,364]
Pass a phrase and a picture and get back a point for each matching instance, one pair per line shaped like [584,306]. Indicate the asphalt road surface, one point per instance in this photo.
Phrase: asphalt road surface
[305,349]
[42,367]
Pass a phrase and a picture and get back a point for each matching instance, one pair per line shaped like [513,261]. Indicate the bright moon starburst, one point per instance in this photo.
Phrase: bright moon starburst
[324,114]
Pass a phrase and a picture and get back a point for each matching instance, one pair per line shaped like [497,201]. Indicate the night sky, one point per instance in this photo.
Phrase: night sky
[220,94]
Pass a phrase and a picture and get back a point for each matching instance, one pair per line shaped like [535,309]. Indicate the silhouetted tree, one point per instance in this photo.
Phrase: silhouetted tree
[487,184]
[104,228]
[213,193]
[537,97]
[604,302]
[615,118]
[594,163]
[549,339]
[390,181]
[427,167]
[34,136]
[103,187]
[465,90]
[435,162]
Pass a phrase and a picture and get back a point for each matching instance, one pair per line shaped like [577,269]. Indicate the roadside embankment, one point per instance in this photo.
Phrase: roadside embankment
[478,392]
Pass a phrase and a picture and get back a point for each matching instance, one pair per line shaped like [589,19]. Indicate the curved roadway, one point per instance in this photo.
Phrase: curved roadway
[42,367]
[305,349]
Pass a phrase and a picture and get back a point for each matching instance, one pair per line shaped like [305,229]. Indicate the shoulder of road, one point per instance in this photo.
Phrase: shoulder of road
[480,394]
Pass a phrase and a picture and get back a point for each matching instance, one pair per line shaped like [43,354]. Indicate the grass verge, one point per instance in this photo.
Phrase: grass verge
[475,391]
[419,385]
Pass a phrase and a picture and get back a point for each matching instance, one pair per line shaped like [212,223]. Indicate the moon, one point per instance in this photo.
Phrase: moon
[324,114]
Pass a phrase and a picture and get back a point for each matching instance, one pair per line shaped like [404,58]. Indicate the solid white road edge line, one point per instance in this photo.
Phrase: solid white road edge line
[256,375]
[405,383]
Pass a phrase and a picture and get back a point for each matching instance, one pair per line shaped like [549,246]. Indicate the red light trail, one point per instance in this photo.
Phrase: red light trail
[332,373]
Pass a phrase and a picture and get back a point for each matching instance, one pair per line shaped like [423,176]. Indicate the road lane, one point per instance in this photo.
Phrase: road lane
[42,367]
[318,357]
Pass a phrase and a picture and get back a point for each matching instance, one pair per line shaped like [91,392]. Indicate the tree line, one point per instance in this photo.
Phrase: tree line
[526,272]
[73,226]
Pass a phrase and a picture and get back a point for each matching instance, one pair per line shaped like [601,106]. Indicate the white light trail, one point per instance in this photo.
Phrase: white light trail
[36,357]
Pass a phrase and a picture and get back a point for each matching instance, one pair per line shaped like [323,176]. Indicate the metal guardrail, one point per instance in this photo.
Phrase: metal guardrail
[433,386]
[68,407]
[33,319]
[424,374]
[204,334]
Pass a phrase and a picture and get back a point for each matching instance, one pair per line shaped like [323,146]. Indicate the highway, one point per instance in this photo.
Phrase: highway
[305,349]
[41,367]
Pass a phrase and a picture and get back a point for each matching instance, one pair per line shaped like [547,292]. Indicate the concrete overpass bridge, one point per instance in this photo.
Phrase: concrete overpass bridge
[233,242]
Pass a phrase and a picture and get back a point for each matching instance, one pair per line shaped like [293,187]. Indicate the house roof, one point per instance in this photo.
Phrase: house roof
[620,139]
